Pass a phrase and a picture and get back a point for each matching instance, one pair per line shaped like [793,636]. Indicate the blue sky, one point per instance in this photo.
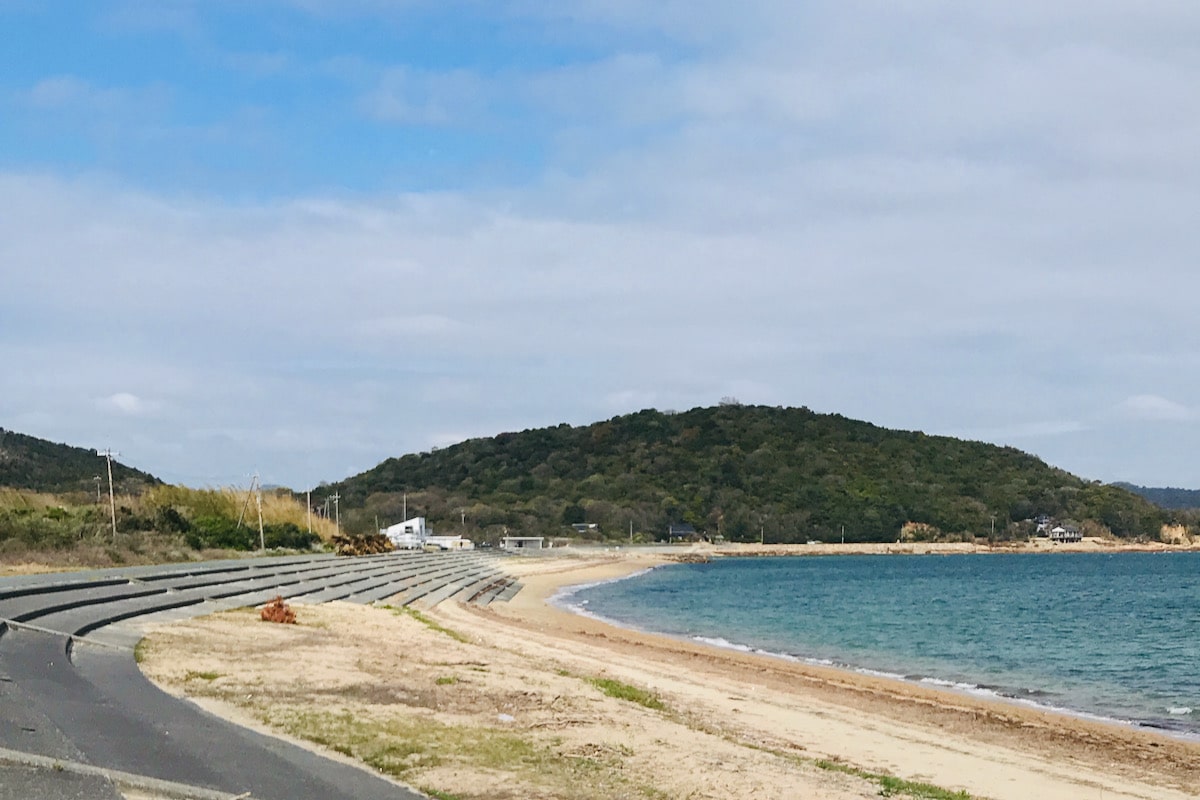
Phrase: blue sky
[301,236]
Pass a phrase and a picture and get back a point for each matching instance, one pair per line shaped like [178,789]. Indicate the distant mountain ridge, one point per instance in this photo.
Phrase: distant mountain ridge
[745,472]
[27,462]
[1166,497]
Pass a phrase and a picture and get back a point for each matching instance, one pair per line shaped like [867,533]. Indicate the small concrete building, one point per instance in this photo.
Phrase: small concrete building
[449,543]
[522,542]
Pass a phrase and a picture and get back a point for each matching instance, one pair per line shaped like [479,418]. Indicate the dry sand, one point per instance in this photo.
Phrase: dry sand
[508,709]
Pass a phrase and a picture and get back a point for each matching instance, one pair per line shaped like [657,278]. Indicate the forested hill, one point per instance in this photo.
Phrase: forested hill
[27,462]
[787,473]
[1166,497]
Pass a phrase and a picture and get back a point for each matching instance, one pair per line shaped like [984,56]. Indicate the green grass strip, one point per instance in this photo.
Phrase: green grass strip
[428,623]
[623,691]
[891,786]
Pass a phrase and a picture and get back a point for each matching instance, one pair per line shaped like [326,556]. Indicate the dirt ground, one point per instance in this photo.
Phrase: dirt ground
[521,700]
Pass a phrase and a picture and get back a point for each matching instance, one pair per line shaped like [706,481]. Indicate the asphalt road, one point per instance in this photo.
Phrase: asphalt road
[78,719]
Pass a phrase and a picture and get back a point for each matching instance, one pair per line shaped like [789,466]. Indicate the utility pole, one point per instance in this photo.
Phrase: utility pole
[97,479]
[462,512]
[108,454]
[335,497]
[406,506]
[262,539]
[993,526]
[631,531]
[308,507]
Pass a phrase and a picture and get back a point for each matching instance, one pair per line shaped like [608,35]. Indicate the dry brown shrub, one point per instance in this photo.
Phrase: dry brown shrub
[278,611]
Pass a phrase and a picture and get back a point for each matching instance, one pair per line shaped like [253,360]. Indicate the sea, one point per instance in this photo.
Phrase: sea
[1114,636]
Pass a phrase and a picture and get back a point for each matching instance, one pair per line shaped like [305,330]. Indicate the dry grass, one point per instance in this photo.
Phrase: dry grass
[278,506]
[42,532]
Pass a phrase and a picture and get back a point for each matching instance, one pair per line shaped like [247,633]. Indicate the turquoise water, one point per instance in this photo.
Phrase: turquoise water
[1111,635]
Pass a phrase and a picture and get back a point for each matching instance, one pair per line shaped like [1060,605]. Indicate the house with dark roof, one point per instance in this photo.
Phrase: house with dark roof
[681,531]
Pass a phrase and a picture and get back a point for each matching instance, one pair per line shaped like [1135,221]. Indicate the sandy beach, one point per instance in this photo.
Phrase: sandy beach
[523,700]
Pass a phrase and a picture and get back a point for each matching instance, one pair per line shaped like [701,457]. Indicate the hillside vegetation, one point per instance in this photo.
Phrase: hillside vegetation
[27,462]
[786,474]
[1170,498]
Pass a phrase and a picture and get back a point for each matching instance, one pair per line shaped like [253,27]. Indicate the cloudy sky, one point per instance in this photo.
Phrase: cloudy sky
[301,236]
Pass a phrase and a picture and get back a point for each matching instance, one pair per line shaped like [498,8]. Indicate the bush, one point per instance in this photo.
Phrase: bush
[220,532]
[289,535]
[168,519]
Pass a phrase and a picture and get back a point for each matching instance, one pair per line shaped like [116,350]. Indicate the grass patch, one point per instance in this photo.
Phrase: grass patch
[891,786]
[438,794]
[446,680]
[405,746]
[204,675]
[624,691]
[428,623]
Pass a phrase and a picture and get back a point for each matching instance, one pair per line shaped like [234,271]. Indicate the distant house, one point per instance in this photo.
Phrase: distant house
[1043,523]
[681,531]
[1065,533]
[522,542]
[585,527]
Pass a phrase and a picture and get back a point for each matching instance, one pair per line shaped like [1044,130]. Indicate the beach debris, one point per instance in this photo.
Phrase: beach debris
[364,544]
[278,611]
[506,718]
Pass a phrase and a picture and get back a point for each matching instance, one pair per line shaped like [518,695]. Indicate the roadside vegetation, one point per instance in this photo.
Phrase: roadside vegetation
[161,523]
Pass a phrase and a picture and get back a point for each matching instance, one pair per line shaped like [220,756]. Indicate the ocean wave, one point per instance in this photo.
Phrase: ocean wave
[724,644]
[1179,711]
[561,598]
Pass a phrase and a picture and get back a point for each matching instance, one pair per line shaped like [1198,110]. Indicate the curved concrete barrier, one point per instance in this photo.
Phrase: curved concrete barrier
[74,696]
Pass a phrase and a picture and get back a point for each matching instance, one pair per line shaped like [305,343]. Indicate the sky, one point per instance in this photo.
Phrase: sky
[298,237]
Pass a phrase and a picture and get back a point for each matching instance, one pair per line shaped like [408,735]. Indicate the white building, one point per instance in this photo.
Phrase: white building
[408,535]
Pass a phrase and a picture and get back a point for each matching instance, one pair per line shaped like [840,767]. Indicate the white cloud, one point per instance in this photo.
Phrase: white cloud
[953,217]
[126,403]
[1155,408]
[71,93]
[409,97]
[408,325]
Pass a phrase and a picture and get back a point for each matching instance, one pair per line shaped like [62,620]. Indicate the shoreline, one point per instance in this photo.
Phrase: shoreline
[732,723]
[30,564]
[558,599]
[997,720]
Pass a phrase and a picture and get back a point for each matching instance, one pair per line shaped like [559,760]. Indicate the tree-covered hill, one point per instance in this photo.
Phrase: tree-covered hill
[787,474]
[1169,497]
[27,462]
